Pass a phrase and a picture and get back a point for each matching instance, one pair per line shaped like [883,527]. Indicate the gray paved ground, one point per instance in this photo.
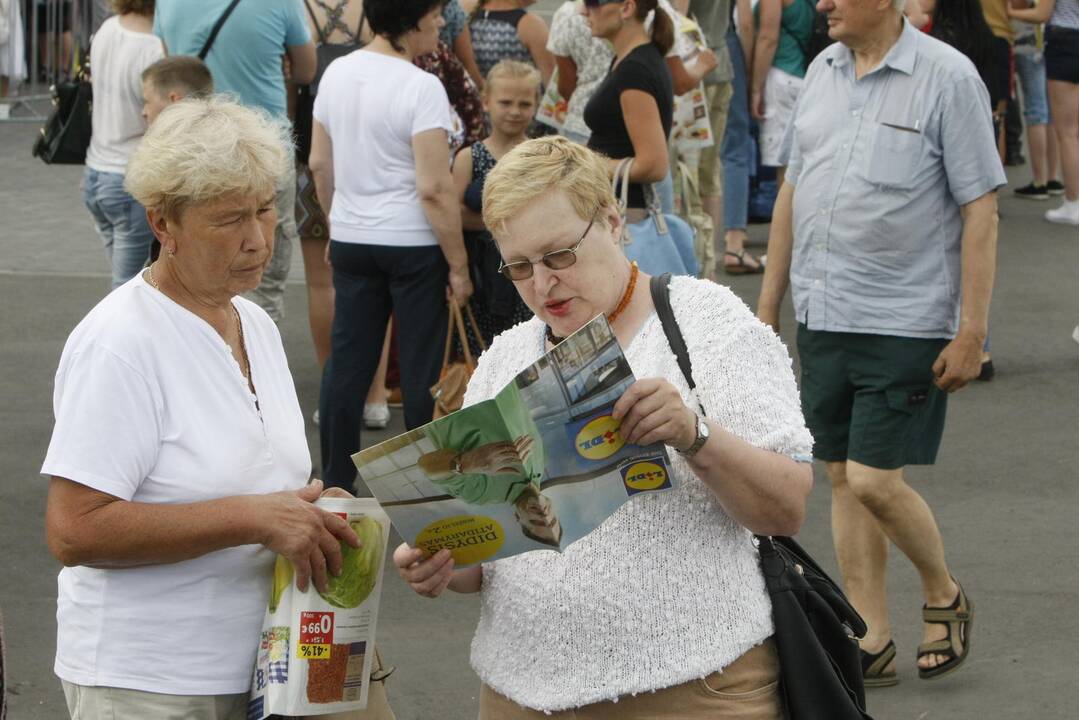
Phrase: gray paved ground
[1004,490]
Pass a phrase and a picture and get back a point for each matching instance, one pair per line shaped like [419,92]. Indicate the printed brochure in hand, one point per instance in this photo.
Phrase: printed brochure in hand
[537,467]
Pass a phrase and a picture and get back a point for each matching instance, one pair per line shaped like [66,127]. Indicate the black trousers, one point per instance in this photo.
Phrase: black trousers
[370,282]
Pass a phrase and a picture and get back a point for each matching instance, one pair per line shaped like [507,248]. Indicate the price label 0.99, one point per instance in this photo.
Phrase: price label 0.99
[316,635]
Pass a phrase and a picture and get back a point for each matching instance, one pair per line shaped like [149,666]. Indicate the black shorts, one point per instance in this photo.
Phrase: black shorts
[871,398]
[1062,54]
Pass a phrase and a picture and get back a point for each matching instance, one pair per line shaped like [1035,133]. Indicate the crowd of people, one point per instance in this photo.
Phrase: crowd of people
[410,149]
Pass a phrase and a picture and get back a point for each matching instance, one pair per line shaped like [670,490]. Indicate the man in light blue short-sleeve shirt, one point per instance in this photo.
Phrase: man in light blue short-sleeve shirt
[885,230]
[246,61]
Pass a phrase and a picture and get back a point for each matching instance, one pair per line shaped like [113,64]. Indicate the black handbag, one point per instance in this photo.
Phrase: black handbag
[66,133]
[816,628]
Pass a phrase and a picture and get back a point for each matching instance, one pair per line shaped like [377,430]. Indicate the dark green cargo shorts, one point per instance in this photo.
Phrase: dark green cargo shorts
[871,398]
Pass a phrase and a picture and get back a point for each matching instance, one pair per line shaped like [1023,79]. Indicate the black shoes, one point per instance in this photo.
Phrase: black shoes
[1033,192]
[1040,192]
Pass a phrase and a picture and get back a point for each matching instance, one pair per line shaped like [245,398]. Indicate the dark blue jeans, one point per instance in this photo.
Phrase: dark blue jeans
[370,282]
[735,151]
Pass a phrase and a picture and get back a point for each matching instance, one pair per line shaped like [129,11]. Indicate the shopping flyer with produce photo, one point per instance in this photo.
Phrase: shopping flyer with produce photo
[537,467]
[316,648]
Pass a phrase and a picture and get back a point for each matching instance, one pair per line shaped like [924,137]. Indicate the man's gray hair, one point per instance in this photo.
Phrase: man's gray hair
[199,150]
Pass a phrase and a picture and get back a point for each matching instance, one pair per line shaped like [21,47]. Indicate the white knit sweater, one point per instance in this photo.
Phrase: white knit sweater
[668,589]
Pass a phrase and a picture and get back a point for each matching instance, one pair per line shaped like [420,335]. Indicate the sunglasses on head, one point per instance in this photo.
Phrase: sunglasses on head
[599,3]
[555,260]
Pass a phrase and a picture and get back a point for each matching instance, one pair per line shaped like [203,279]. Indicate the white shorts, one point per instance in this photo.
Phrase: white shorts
[780,94]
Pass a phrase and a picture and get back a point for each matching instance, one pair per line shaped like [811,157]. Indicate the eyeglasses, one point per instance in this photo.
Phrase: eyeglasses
[599,3]
[555,260]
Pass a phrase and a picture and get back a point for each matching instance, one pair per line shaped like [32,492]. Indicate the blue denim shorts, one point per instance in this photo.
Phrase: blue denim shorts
[1031,71]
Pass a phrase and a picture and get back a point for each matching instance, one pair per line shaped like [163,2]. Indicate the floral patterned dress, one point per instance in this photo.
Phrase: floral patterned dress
[495,301]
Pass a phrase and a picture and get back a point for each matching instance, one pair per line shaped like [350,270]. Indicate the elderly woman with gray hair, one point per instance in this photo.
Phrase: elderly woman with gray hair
[178,461]
[660,612]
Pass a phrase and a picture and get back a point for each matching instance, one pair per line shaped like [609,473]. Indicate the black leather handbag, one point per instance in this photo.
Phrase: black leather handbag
[66,133]
[816,628]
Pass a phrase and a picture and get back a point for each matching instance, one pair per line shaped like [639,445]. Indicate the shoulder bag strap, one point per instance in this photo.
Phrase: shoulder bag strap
[359,28]
[661,298]
[216,29]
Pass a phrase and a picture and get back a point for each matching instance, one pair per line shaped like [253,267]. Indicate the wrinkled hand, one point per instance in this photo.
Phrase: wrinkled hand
[651,410]
[958,363]
[428,577]
[460,287]
[307,536]
[497,457]
[756,105]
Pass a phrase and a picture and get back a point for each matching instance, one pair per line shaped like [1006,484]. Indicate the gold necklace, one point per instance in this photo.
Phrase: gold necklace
[246,367]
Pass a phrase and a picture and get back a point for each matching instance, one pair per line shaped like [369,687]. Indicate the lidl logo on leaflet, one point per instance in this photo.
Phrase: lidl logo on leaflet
[645,475]
[599,438]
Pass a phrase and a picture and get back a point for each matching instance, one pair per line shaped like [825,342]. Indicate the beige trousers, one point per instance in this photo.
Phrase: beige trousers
[108,703]
[747,689]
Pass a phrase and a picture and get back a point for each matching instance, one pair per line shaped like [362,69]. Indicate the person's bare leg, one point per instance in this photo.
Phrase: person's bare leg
[1052,154]
[3,85]
[1036,139]
[1064,107]
[376,394]
[66,46]
[319,280]
[861,548]
[908,522]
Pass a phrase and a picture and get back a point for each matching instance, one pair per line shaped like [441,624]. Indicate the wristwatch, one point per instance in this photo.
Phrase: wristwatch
[698,443]
[457,464]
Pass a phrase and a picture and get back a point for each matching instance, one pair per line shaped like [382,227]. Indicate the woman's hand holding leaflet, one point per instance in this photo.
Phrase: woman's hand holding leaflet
[308,536]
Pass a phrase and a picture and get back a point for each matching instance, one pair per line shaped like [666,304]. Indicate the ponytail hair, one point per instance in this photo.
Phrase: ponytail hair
[662,24]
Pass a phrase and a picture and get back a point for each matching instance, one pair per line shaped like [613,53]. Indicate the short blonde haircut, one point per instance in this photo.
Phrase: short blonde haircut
[513,70]
[540,166]
[199,150]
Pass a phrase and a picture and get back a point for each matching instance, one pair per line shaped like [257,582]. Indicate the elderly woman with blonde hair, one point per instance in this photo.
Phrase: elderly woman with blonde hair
[663,607]
[178,461]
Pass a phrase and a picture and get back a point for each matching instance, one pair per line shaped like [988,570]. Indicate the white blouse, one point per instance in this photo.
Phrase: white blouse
[668,589]
[151,407]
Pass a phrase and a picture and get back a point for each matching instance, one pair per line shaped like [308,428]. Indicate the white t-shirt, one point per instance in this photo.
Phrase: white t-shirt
[371,106]
[152,407]
[117,58]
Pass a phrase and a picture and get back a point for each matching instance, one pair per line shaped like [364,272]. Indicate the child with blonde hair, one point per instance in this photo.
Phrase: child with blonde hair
[510,97]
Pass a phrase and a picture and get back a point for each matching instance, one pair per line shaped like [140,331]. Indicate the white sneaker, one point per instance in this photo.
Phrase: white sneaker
[376,416]
[1075,334]
[1066,214]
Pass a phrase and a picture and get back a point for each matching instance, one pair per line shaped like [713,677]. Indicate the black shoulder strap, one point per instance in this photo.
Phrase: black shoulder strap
[216,29]
[661,298]
[359,28]
[316,23]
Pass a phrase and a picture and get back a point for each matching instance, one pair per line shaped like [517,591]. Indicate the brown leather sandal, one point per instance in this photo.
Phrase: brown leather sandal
[742,267]
[959,618]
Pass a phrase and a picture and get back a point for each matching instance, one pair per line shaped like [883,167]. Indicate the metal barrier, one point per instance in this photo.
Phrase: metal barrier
[55,37]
